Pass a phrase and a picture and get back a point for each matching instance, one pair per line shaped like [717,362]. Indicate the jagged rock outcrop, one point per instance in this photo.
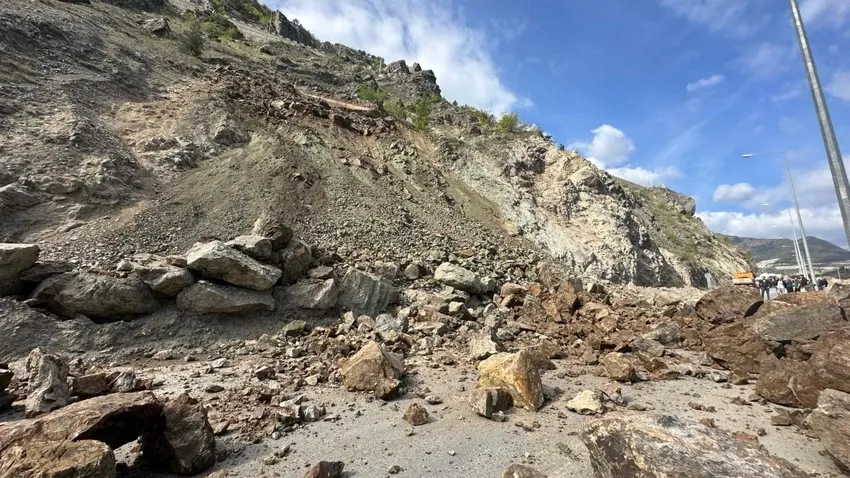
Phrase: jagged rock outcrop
[659,445]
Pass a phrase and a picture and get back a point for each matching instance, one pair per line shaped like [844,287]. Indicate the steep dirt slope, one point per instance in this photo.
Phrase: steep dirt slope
[116,142]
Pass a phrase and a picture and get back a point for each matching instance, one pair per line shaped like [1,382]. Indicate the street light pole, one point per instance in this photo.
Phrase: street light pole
[796,205]
[797,254]
[799,218]
[830,143]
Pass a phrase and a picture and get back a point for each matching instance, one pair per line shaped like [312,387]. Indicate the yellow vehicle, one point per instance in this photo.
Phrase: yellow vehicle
[744,278]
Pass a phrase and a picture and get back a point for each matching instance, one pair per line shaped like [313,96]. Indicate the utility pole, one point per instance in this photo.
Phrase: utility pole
[830,143]
[797,254]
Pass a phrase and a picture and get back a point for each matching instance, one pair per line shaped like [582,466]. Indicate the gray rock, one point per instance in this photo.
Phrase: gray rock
[648,347]
[216,260]
[47,384]
[488,401]
[388,270]
[312,295]
[463,279]
[660,445]
[100,297]
[412,272]
[157,26]
[90,385]
[207,298]
[14,258]
[805,322]
[390,323]
[666,333]
[365,293]
[168,280]
[294,260]
[484,345]
[269,226]
[257,247]
[15,197]
[124,381]
[321,272]
[830,421]
[43,269]
[185,445]
[522,471]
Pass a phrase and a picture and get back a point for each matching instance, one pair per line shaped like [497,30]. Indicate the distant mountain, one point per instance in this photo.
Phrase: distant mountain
[823,252]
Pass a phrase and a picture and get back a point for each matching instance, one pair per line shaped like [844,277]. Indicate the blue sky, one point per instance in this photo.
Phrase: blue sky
[665,92]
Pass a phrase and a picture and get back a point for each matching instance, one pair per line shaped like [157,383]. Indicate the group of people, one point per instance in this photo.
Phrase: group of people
[785,285]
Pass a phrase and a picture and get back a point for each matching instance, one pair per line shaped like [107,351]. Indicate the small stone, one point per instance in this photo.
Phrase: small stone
[522,471]
[709,422]
[395,469]
[433,400]
[416,415]
[266,372]
[270,460]
[214,388]
[326,469]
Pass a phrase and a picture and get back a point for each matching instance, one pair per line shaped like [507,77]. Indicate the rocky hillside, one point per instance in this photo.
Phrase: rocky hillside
[119,138]
[781,251]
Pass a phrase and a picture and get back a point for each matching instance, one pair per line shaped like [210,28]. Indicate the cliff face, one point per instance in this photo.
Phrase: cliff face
[116,153]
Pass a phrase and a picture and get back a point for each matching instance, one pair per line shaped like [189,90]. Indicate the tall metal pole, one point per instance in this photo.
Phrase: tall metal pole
[799,218]
[833,154]
[797,254]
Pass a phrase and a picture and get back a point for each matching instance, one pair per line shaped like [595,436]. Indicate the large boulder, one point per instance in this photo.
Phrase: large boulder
[517,374]
[774,383]
[258,247]
[831,423]
[271,227]
[312,295]
[373,369]
[100,297]
[294,260]
[43,269]
[218,261]
[664,446]
[14,258]
[161,276]
[829,367]
[736,347]
[55,459]
[185,445]
[47,384]
[619,366]
[464,279]
[205,297]
[115,419]
[364,293]
[800,323]
[728,304]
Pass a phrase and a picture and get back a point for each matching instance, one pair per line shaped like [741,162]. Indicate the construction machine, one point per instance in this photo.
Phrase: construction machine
[744,278]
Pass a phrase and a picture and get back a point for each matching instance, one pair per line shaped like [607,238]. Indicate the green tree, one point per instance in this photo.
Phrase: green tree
[192,40]
[508,123]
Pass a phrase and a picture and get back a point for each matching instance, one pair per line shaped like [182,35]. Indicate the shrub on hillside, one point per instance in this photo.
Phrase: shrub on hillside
[192,40]
[508,123]
[371,94]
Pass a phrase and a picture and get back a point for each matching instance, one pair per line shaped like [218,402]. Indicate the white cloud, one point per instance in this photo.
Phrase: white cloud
[431,33]
[766,59]
[789,92]
[734,193]
[647,177]
[833,13]
[609,147]
[709,82]
[717,15]
[839,85]
[612,147]
[814,188]
[823,222]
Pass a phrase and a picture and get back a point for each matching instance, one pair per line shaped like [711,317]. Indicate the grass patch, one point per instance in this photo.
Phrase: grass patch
[368,93]
[192,41]
[217,26]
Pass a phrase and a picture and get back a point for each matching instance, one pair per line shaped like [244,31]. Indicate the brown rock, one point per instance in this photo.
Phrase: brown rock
[619,367]
[114,419]
[829,367]
[517,374]
[416,415]
[487,401]
[271,227]
[774,381]
[728,303]
[326,469]
[665,446]
[736,347]
[831,423]
[800,323]
[58,459]
[373,369]
[185,445]
[522,471]
[92,385]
